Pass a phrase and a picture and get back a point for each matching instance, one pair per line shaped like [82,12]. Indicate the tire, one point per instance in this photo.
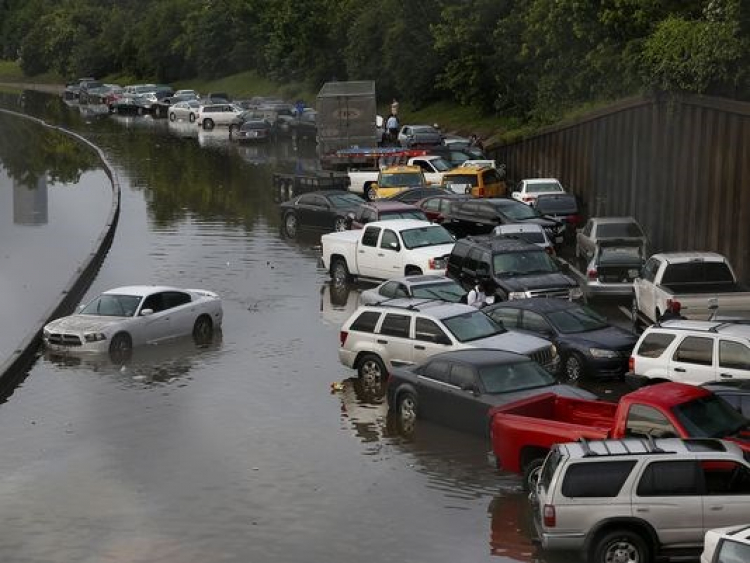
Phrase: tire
[531,473]
[407,412]
[139,111]
[121,348]
[369,192]
[339,224]
[371,370]
[340,272]
[172,116]
[291,225]
[191,118]
[208,124]
[621,546]
[232,128]
[203,329]
[574,367]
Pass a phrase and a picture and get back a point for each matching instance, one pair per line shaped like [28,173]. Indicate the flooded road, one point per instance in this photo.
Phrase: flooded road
[238,451]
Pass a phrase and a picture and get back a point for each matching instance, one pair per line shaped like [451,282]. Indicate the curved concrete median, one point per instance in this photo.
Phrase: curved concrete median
[14,368]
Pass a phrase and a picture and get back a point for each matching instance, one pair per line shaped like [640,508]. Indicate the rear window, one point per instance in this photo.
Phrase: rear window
[557,205]
[366,322]
[596,479]
[697,272]
[618,230]
[461,180]
[654,344]
[542,187]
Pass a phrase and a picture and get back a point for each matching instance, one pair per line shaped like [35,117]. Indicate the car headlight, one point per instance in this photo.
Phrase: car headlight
[553,351]
[519,295]
[94,336]
[575,293]
[601,353]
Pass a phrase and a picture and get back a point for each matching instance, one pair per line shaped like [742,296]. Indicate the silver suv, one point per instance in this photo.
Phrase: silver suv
[629,501]
[408,331]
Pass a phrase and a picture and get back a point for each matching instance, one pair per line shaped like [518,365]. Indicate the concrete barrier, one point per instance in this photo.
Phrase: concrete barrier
[13,370]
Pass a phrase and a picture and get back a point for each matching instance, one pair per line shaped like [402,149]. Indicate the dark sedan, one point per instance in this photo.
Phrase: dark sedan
[413,195]
[255,130]
[325,210]
[382,210]
[586,342]
[563,208]
[457,388]
[437,206]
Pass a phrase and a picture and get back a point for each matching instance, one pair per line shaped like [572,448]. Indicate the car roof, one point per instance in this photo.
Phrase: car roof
[668,394]
[433,307]
[421,279]
[466,171]
[605,220]
[401,224]
[735,386]
[540,180]
[481,356]
[386,205]
[140,290]
[690,256]
[503,243]
[447,195]
[521,228]
[726,328]
[539,304]
[693,447]
[328,193]
[401,169]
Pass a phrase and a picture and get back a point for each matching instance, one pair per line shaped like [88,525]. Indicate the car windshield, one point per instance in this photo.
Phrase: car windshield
[345,200]
[111,305]
[618,230]
[507,378]
[539,187]
[445,291]
[461,180]
[441,165]
[426,236]
[557,205]
[577,319]
[254,125]
[519,211]
[709,417]
[523,263]
[534,237]
[472,326]
[400,180]
[405,214]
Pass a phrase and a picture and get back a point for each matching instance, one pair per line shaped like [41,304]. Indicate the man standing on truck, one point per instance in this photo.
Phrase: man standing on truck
[392,126]
[673,311]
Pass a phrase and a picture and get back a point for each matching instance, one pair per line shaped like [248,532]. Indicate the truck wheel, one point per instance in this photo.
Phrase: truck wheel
[574,367]
[621,546]
[340,272]
[369,192]
[531,473]
[291,225]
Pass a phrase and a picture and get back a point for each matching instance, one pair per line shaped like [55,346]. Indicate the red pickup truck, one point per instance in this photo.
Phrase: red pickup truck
[522,432]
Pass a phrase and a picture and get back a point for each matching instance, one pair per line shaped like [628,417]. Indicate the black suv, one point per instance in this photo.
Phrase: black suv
[517,269]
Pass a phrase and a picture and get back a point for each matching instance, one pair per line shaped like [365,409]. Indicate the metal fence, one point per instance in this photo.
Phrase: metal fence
[680,166]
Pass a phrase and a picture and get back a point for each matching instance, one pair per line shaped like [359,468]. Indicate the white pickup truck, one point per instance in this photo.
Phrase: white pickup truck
[387,249]
[700,281]
[362,181]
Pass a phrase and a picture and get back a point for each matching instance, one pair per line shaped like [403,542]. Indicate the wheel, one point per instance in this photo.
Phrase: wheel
[139,111]
[369,192]
[203,329]
[208,123]
[531,473]
[120,348]
[573,367]
[291,224]
[191,117]
[232,127]
[371,371]
[621,546]
[406,410]
[340,272]
[340,224]
[413,271]
[172,116]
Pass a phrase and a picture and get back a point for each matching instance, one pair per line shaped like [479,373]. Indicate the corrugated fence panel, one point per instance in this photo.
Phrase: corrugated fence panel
[680,167]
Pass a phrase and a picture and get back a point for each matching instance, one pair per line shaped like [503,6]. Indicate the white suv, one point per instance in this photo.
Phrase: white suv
[211,115]
[633,500]
[693,352]
[403,332]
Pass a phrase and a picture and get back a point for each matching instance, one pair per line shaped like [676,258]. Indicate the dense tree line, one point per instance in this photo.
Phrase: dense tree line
[531,58]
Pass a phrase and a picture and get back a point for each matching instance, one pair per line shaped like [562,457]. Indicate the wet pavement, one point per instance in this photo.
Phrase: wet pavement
[238,451]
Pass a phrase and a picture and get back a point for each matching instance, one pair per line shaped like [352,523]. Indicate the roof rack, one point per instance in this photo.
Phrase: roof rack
[413,305]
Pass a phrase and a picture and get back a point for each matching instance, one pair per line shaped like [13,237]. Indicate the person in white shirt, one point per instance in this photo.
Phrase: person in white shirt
[391,125]
[476,297]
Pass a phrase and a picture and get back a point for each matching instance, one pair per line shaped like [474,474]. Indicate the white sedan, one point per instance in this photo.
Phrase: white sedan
[186,110]
[528,189]
[122,318]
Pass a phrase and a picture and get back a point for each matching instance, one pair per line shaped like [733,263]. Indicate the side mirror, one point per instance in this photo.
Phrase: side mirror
[515,194]
[146,312]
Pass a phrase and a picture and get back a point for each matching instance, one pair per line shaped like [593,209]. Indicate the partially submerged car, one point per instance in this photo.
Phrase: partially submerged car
[125,317]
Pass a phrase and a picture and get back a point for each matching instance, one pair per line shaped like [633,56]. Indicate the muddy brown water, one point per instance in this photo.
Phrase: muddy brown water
[238,451]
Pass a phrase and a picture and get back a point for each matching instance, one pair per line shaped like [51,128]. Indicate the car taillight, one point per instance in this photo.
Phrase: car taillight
[592,274]
[342,337]
[631,364]
[574,219]
[527,198]
[550,520]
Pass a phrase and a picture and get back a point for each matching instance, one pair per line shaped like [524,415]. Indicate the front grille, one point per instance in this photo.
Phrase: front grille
[563,292]
[64,339]
[543,356]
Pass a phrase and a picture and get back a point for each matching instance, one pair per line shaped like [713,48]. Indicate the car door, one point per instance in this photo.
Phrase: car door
[726,499]
[467,410]
[508,317]
[668,497]
[536,324]
[390,253]
[395,336]
[433,389]
[734,360]
[429,339]
[305,209]
[644,287]
[158,324]
[693,360]
[367,252]
[182,311]
[322,214]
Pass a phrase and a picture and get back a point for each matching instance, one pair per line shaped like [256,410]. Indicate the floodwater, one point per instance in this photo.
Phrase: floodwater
[239,451]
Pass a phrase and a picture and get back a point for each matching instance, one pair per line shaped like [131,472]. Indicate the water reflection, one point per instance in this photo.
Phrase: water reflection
[511,527]
[338,303]
[30,206]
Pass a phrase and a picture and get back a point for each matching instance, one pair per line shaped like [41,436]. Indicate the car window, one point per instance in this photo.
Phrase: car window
[669,478]
[534,322]
[695,350]
[155,302]
[730,551]
[654,344]
[472,326]
[431,205]
[307,199]
[725,477]
[587,229]
[320,202]
[366,322]
[437,370]
[428,331]
[698,272]
[389,241]
[472,260]
[507,317]
[175,299]
[396,325]
[709,417]
[618,230]
[647,421]
[597,479]
[111,305]
[389,289]
[519,376]
[370,236]
[462,376]
[445,291]
[576,320]
[733,355]
[426,236]
[650,269]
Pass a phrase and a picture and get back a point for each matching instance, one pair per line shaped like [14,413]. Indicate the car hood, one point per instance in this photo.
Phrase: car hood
[560,389]
[84,323]
[536,281]
[547,222]
[609,338]
[433,251]
[511,341]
